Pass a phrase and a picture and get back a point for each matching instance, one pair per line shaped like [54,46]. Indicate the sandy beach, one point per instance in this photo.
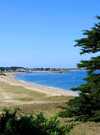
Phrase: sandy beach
[31,97]
[49,91]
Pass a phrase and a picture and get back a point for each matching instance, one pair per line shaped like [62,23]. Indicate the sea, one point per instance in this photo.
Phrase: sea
[66,80]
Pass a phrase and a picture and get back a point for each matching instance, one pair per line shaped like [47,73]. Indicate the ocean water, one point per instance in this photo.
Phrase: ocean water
[66,80]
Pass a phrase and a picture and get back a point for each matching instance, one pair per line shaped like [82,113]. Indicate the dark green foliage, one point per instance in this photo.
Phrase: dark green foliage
[12,123]
[87,105]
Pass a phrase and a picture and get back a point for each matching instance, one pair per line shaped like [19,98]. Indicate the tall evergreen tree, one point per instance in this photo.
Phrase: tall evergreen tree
[87,105]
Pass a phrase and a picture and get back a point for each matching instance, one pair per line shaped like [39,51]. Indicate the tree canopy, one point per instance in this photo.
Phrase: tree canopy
[87,105]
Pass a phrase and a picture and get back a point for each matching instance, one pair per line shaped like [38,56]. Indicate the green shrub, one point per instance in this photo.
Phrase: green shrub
[12,123]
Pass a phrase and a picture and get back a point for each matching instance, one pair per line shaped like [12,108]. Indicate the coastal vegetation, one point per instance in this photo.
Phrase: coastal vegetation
[12,97]
[86,107]
[29,101]
[12,123]
[29,119]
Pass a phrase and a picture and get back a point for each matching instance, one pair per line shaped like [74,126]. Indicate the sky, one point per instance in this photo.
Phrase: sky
[42,33]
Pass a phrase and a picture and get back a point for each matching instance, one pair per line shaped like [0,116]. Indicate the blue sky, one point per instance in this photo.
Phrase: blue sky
[41,33]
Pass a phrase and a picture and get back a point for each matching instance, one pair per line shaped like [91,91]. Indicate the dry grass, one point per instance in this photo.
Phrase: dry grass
[19,93]
[33,102]
[89,128]
[29,101]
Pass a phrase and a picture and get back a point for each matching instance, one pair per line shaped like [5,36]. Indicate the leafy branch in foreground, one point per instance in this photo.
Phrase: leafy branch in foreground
[87,105]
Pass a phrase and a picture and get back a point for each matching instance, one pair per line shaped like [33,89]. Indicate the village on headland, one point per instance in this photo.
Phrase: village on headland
[36,69]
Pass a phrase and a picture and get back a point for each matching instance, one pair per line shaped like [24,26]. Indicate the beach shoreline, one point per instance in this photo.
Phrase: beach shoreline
[10,78]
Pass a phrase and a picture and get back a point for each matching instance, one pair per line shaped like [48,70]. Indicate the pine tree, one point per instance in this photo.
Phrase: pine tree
[87,105]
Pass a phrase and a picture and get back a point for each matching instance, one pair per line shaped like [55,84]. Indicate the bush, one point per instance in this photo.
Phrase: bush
[12,123]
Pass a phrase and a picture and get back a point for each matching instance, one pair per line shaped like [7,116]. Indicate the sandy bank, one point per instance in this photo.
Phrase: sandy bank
[49,91]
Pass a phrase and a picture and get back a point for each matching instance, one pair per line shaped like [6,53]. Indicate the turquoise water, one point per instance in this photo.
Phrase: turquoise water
[65,80]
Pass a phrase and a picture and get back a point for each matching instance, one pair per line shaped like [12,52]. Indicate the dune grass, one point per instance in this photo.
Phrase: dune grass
[48,105]
[88,128]
[29,101]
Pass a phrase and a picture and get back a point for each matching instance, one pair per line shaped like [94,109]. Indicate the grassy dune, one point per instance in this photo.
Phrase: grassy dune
[89,128]
[28,100]
[33,102]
